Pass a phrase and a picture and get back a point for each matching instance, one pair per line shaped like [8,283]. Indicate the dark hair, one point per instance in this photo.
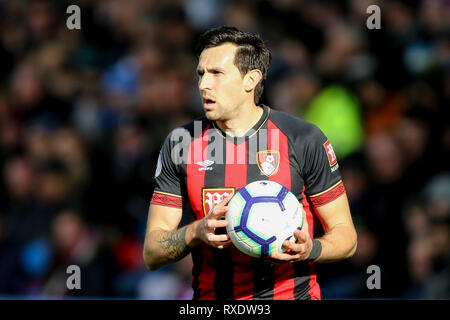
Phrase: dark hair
[251,54]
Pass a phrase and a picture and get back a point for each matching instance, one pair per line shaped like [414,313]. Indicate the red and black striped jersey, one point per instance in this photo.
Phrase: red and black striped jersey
[199,164]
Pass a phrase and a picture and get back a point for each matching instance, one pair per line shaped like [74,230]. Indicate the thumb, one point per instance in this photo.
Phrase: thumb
[301,235]
[225,200]
[221,208]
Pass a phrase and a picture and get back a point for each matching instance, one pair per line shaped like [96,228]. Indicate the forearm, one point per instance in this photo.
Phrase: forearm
[337,244]
[164,247]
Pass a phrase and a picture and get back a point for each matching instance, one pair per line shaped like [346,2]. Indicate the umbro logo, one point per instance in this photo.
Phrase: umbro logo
[205,165]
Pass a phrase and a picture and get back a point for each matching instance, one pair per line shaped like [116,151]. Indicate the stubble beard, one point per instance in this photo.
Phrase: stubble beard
[214,115]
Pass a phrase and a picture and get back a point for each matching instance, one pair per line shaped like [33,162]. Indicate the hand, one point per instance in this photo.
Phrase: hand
[297,251]
[207,226]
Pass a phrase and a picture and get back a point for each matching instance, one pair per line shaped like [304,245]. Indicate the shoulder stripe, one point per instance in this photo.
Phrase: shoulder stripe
[325,191]
[167,200]
[168,194]
[328,195]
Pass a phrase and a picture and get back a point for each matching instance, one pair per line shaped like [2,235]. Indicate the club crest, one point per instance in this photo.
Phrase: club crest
[268,161]
[214,196]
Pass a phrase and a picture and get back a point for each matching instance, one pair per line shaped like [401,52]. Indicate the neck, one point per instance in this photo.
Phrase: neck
[242,122]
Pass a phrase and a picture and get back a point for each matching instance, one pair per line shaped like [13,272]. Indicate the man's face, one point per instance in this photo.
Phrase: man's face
[220,82]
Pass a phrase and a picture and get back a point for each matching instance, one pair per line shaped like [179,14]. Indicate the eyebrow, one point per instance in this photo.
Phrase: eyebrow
[213,69]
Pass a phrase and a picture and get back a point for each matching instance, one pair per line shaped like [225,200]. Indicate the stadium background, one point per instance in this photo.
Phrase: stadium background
[83,114]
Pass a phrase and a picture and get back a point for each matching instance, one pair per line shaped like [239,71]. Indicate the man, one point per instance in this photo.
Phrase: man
[202,164]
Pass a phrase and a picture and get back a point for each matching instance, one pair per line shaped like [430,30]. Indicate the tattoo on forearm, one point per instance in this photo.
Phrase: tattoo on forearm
[174,243]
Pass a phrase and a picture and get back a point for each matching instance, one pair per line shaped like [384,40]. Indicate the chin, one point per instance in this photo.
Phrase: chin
[211,115]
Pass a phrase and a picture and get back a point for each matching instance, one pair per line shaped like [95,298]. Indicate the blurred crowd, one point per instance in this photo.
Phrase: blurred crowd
[83,114]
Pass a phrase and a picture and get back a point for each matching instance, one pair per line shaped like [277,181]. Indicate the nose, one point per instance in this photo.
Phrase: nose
[205,82]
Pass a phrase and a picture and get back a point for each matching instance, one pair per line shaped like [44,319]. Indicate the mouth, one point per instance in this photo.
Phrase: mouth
[208,103]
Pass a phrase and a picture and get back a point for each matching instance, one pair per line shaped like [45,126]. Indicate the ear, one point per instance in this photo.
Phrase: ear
[251,79]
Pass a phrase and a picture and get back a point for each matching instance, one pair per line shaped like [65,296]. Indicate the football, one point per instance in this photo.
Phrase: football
[261,216]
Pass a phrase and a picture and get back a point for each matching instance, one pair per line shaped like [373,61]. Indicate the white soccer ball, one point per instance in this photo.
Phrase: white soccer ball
[261,216]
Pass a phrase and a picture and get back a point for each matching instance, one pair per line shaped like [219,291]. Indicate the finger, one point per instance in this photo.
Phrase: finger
[293,247]
[217,223]
[296,249]
[211,237]
[279,256]
[218,211]
[301,235]
[226,200]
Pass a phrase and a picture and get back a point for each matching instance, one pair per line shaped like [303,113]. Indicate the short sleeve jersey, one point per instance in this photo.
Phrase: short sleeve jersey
[199,165]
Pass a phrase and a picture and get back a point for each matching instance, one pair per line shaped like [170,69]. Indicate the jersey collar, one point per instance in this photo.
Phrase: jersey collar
[249,133]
